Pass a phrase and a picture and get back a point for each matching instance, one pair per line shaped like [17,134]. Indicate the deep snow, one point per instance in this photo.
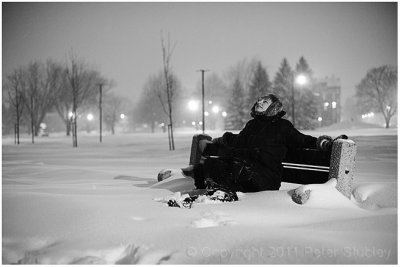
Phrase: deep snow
[97,204]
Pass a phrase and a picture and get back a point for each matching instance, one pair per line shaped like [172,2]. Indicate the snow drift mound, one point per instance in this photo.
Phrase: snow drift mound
[321,195]
[376,196]
[176,182]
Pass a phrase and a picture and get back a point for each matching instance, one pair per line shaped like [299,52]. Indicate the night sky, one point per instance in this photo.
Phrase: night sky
[122,40]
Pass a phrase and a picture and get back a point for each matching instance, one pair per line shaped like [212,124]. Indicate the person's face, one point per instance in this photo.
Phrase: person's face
[263,104]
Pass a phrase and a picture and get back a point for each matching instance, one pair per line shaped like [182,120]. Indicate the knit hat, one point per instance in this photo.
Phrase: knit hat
[273,109]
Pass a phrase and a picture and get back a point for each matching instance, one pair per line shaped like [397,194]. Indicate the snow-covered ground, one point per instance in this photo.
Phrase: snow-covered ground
[96,204]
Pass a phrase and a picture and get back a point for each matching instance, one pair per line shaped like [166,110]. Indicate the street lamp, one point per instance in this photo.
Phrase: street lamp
[193,105]
[89,117]
[215,109]
[300,79]
[202,97]
[100,108]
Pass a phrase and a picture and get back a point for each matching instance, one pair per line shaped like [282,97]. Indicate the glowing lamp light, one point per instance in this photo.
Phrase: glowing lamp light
[224,114]
[215,109]
[122,116]
[301,79]
[206,113]
[319,119]
[334,104]
[193,105]
[193,123]
[70,114]
[200,123]
[89,117]
[368,115]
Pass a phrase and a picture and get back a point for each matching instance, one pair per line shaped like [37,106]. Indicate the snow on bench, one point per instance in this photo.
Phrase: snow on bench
[339,164]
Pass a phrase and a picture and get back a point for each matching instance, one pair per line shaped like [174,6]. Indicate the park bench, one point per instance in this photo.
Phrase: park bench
[310,166]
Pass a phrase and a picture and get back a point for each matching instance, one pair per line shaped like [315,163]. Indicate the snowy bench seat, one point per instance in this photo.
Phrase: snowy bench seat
[309,166]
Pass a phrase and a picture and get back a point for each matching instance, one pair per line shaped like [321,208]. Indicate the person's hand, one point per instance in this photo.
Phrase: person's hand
[324,143]
[227,138]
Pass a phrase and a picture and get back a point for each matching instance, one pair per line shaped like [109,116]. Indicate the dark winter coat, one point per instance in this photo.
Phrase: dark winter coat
[255,154]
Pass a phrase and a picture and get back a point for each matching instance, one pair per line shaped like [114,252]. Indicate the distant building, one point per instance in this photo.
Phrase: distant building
[328,90]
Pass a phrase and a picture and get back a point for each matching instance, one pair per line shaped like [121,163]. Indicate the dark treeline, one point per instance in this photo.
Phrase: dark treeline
[68,88]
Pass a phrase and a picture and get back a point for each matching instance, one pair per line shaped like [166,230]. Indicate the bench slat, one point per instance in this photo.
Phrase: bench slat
[308,169]
[306,165]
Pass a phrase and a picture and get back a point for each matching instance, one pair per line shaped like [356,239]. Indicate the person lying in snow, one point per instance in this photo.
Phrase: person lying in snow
[251,161]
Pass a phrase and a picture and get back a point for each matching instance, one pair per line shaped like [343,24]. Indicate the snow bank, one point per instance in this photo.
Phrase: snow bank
[95,204]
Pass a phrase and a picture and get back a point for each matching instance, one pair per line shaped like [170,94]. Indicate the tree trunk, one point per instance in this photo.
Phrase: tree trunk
[387,120]
[37,128]
[68,127]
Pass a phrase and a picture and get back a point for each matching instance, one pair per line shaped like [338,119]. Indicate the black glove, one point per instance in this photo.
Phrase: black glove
[227,138]
[324,143]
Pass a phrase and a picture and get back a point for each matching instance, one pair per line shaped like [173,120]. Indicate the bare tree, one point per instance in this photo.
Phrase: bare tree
[114,105]
[82,83]
[63,104]
[148,109]
[378,91]
[15,88]
[167,52]
[39,94]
